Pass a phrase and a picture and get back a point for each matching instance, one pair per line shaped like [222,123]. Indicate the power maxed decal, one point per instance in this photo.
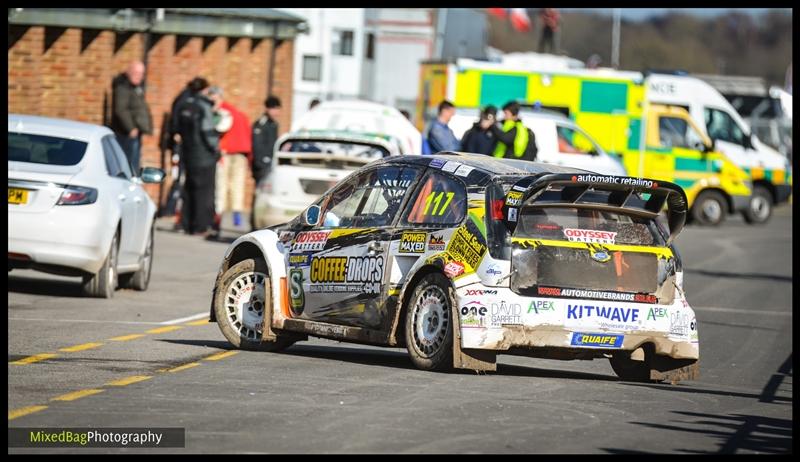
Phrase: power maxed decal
[596,340]
[412,243]
[346,274]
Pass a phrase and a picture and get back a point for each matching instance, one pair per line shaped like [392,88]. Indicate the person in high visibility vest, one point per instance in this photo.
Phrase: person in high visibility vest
[514,139]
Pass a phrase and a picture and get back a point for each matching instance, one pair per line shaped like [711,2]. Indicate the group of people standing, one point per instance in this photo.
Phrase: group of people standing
[507,139]
[212,142]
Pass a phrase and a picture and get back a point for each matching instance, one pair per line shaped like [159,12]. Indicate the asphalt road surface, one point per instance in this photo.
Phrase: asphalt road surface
[148,359]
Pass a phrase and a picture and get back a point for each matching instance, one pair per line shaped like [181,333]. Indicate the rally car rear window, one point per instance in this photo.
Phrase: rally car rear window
[586,225]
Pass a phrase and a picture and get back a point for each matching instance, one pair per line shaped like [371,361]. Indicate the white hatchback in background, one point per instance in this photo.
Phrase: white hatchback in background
[74,206]
[308,163]
[560,141]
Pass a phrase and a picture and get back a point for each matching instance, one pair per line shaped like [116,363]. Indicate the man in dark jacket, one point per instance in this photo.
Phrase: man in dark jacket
[200,152]
[515,140]
[265,134]
[130,116]
[480,139]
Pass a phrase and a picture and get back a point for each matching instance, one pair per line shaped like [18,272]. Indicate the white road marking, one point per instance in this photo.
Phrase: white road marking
[187,318]
[162,323]
[736,310]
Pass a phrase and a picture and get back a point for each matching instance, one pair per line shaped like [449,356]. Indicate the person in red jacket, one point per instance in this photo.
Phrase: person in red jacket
[236,148]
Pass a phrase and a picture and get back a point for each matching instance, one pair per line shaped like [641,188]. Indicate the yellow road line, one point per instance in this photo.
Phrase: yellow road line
[184,367]
[223,355]
[77,394]
[197,323]
[24,411]
[161,330]
[129,380]
[85,346]
[34,358]
[124,338]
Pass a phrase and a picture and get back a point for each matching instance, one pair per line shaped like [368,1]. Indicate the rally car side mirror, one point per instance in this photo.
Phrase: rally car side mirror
[311,215]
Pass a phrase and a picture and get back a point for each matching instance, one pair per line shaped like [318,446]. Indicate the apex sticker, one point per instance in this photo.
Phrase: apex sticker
[596,340]
[412,243]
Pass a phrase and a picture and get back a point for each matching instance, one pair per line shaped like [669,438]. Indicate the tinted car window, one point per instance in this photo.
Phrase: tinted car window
[41,149]
[122,159]
[721,126]
[441,200]
[371,199]
[112,166]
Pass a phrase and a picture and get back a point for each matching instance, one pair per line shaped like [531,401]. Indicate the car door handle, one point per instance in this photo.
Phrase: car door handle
[375,247]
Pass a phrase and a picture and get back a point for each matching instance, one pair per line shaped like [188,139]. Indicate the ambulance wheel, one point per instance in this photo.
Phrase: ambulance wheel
[710,208]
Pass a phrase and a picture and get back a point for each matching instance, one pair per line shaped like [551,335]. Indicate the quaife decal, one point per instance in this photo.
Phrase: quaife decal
[297,299]
[346,274]
[514,199]
[596,340]
[615,180]
[436,243]
[612,313]
[466,247]
[412,243]
[596,294]
[310,241]
[453,269]
[589,235]
[301,259]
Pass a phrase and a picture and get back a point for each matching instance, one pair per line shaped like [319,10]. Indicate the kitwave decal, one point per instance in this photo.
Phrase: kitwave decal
[514,199]
[297,299]
[412,243]
[310,241]
[627,181]
[301,259]
[453,269]
[541,305]
[473,314]
[611,313]
[346,274]
[505,313]
[597,340]
[466,247]
[596,294]
[589,235]
[436,243]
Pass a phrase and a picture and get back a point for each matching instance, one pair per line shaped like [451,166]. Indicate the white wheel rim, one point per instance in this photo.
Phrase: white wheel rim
[712,210]
[244,304]
[431,319]
[760,207]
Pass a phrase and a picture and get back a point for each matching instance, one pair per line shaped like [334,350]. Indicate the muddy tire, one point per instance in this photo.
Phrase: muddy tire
[428,326]
[140,280]
[241,299]
[760,209]
[709,208]
[103,283]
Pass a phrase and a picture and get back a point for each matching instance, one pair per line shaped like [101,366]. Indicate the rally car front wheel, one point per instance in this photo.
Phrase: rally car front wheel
[429,329]
[242,299]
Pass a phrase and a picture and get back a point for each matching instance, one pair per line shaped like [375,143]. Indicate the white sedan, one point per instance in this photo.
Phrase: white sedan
[75,208]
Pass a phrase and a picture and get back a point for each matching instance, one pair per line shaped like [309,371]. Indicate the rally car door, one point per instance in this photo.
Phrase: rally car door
[338,268]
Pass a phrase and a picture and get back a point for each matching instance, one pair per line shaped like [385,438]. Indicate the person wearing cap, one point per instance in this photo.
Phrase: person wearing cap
[480,139]
[236,152]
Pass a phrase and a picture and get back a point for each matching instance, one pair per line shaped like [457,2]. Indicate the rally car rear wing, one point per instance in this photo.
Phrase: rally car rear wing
[623,194]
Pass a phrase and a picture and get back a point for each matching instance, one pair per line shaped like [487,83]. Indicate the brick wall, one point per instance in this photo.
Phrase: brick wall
[67,73]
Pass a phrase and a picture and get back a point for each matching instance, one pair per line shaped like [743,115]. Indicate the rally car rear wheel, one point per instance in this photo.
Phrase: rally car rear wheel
[630,369]
[429,330]
[241,301]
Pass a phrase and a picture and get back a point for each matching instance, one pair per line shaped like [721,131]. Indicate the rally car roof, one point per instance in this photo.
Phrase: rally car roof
[490,166]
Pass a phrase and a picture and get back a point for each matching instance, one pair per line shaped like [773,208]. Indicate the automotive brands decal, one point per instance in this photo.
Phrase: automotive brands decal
[299,260]
[453,269]
[541,305]
[505,313]
[346,274]
[596,340]
[437,163]
[436,243]
[310,241]
[589,235]
[514,199]
[473,314]
[545,291]
[464,170]
[412,243]
[627,181]
[466,247]
[297,299]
